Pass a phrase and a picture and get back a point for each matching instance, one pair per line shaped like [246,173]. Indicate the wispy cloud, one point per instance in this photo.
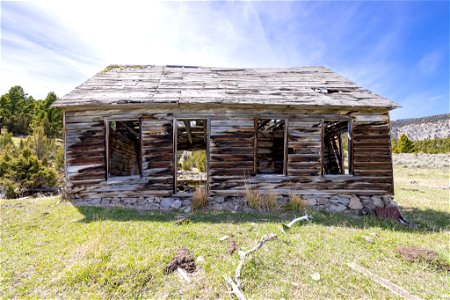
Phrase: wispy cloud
[431,61]
[55,45]
[39,53]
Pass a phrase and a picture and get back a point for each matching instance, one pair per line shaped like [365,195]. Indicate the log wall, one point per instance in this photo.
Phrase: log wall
[232,150]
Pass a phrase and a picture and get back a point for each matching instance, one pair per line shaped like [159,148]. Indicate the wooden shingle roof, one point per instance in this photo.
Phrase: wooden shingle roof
[148,84]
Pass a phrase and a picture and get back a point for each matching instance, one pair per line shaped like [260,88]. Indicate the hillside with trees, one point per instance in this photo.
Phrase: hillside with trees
[31,150]
[425,128]
[421,135]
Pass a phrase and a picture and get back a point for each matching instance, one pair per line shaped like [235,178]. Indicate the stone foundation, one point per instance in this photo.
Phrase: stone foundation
[353,204]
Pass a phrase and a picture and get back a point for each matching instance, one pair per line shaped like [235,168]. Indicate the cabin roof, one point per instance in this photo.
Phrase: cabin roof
[149,84]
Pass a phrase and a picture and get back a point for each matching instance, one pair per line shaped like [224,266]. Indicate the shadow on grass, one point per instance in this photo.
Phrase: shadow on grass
[428,220]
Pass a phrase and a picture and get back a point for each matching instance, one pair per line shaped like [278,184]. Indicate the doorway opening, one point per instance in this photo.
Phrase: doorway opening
[270,143]
[336,148]
[191,155]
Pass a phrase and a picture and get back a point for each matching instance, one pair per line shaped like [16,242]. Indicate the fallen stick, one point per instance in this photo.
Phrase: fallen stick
[183,275]
[236,284]
[234,288]
[384,282]
[243,255]
[306,217]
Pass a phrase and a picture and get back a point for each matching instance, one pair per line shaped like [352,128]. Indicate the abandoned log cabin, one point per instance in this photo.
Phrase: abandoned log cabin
[146,136]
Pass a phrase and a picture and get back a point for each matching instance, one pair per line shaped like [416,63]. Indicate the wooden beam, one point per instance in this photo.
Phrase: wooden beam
[130,129]
[263,123]
[205,131]
[187,124]
[383,282]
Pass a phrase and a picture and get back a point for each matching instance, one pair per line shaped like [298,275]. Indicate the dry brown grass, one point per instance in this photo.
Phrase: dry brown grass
[296,202]
[199,198]
[252,197]
[262,202]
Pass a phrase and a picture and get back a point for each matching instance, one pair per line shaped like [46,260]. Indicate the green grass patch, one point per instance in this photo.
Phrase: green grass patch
[55,250]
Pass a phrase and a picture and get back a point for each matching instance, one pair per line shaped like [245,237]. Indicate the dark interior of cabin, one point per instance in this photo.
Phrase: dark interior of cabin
[270,146]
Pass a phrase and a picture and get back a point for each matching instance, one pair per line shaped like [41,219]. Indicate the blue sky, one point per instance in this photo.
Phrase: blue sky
[398,49]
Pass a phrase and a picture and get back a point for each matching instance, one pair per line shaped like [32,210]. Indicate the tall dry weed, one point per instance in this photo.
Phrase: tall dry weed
[296,202]
[199,198]
[262,202]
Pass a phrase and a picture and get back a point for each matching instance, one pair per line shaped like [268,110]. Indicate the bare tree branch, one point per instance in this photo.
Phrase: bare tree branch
[236,284]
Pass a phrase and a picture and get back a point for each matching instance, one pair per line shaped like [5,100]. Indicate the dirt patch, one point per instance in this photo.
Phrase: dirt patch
[415,254]
[181,221]
[232,247]
[183,260]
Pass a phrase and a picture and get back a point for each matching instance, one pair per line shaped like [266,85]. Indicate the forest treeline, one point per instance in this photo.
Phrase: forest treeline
[434,146]
[31,149]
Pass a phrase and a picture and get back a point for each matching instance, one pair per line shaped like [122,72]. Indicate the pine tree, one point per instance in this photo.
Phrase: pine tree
[405,145]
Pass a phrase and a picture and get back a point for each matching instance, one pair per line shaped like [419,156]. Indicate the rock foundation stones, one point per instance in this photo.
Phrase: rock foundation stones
[353,204]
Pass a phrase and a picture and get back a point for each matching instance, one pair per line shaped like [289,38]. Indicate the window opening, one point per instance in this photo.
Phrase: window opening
[124,148]
[270,146]
[191,146]
[336,148]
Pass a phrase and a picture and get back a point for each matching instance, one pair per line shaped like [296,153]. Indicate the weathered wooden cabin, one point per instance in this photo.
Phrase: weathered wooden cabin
[305,131]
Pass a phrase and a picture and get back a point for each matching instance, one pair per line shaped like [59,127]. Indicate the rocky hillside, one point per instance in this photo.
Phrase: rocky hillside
[425,128]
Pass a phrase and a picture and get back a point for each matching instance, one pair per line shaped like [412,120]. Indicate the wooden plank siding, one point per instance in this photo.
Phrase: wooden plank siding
[231,158]
[85,140]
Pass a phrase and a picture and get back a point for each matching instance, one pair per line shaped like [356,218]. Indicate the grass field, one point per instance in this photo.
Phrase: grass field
[51,249]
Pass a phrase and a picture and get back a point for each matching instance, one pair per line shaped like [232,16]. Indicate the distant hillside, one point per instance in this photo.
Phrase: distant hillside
[425,128]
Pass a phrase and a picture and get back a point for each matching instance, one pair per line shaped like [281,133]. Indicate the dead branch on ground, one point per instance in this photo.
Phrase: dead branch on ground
[236,284]
[306,217]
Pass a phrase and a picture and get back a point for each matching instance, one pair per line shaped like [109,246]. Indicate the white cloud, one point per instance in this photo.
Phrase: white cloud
[431,61]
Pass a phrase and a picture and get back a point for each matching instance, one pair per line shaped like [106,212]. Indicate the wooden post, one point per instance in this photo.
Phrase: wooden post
[321,146]
[341,153]
[65,153]
[141,172]
[208,151]
[350,147]
[255,147]
[106,148]
[286,145]
[390,152]
[174,149]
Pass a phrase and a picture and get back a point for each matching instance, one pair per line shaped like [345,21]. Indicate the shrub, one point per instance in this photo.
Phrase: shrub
[5,140]
[296,203]
[22,170]
[198,158]
[199,198]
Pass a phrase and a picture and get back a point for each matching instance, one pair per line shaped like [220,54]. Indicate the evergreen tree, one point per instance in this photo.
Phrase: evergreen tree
[405,145]
[16,111]
[49,117]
